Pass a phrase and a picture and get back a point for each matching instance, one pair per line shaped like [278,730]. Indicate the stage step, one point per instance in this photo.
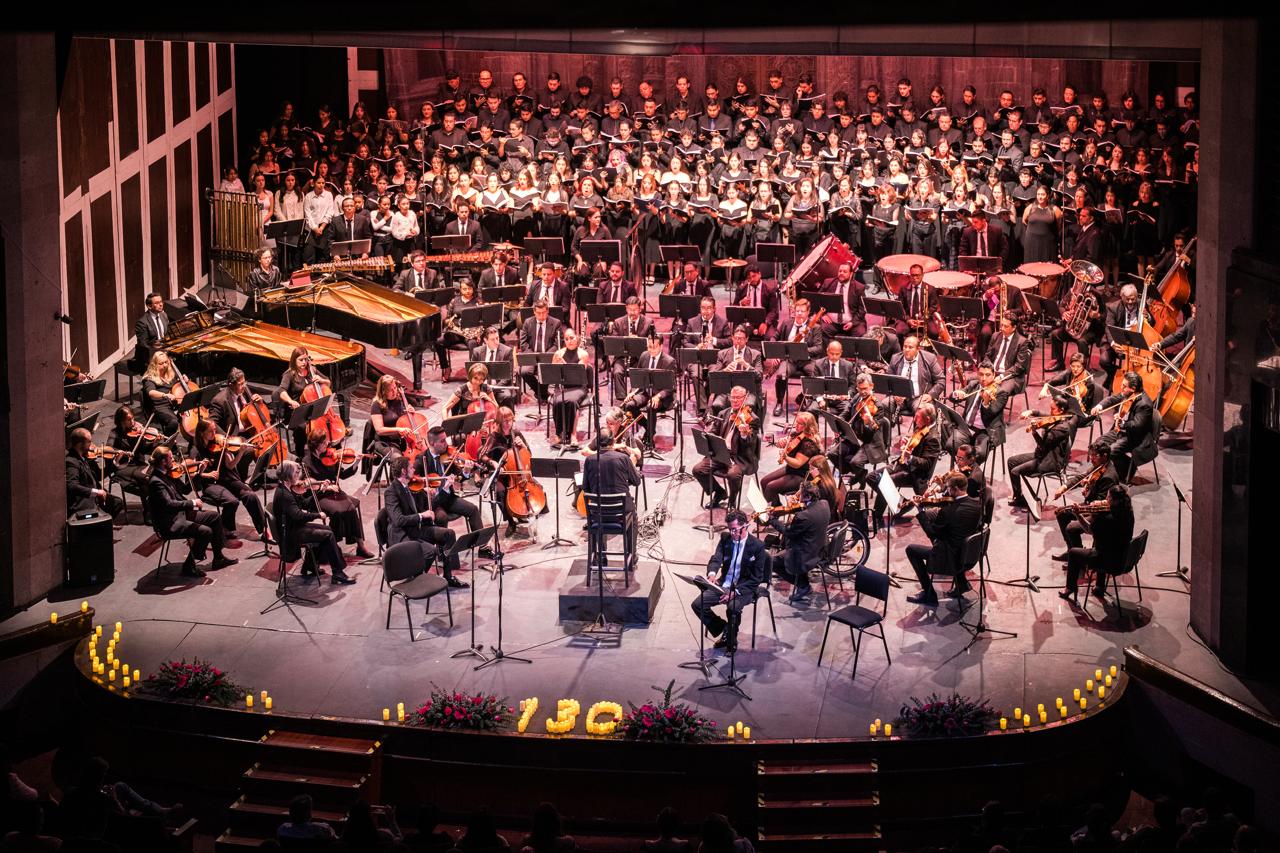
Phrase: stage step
[229,842]
[810,768]
[817,805]
[289,781]
[250,816]
[319,743]
[859,841]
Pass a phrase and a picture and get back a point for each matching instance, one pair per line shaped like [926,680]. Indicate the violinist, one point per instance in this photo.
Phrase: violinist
[755,292]
[1076,381]
[176,517]
[801,445]
[974,475]
[639,403]
[443,462]
[870,426]
[84,491]
[223,487]
[1111,522]
[157,396]
[476,389]
[740,431]
[632,324]
[707,330]
[323,462]
[300,373]
[1132,437]
[1053,434]
[737,357]
[131,447]
[824,480]
[954,522]
[295,510]
[926,375]
[798,328]
[802,539]
[411,519]
[984,401]
[567,400]
[1096,482]
[388,406]
[913,463]
[505,437]
[492,349]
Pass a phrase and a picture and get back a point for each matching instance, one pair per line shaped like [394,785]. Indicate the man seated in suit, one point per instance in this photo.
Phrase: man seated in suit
[1053,446]
[150,329]
[954,522]
[708,330]
[610,471]
[802,539]
[549,288]
[540,333]
[869,429]
[1076,381]
[1112,531]
[84,493]
[739,565]
[922,369]
[852,317]
[445,501]
[920,462]
[916,298]
[169,516]
[1088,247]
[736,357]
[1097,480]
[1010,356]
[833,366]
[492,349]
[691,283]
[1132,438]
[984,402]
[350,224]
[632,324]
[464,224]
[743,440]
[409,520]
[500,273]
[417,276]
[797,329]
[755,292]
[615,288]
[642,403]
[1122,315]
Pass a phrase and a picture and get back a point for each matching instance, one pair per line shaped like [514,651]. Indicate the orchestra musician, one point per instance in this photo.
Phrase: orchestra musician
[417,277]
[802,444]
[84,492]
[798,328]
[643,403]
[499,273]
[984,401]
[1052,434]
[349,225]
[870,425]
[444,500]
[921,367]
[740,430]
[550,289]
[411,519]
[475,389]
[505,437]
[708,330]
[1111,522]
[1076,381]
[157,399]
[1122,315]
[224,487]
[691,283]
[129,464]
[755,292]
[491,349]
[225,409]
[464,224]
[610,471]
[453,335]
[829,489]
[566,401]
[959,516]
[802,539]
[294,507]
[1010,355]
[266,275]
[739,566]
[1097,482]
[736,357]
[1132,437]
[592,228]
[852,317]
[300,373]
[323,464]
[150,330]
[915,296]
[967,465]
[633,324]
[388,406]
[540,333]
[615,289]
[984,238]
[176,517]
[833,366]
[913,463]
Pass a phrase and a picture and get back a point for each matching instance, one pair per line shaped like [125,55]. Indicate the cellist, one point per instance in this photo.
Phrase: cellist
[296,378]
[504,437]
[388,406]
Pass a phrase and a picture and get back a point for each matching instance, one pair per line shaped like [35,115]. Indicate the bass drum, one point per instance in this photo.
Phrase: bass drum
[895,270]
[821,264]
[1048,276]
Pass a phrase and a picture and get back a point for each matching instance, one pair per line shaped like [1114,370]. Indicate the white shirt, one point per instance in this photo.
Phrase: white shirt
[317,209]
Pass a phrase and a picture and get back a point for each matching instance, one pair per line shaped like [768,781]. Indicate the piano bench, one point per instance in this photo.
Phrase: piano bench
[124,367]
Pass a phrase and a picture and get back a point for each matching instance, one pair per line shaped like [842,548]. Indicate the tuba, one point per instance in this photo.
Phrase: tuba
[1081,301]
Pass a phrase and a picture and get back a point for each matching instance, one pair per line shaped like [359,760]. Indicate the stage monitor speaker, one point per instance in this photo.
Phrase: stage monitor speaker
[89,555]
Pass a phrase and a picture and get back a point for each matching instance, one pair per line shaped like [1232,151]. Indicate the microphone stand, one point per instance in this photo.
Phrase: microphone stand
[498,653]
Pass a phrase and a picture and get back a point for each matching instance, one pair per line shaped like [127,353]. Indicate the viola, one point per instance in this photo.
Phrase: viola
[525,495]
[330,423]
[149,435]
[867,409]
[266,438]
[186,468]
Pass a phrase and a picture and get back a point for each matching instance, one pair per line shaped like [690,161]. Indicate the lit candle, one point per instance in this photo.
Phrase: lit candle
[125,680]
[1044,718]
[84,607]
[888,730]
[1108,681]
[1088,685]
[1004,724]
[97,630]
[733,730]
[1026,720]
[264,696]
[1102,692]
[746,733]
[1040,707]
[1084,703]
[53,618]
[115,663]
[1057,703]
[873,729]
[739,726]
[1076,694]
[137,675]
[1017,713]
[248,700]
[267,703]
[879,722]
[1113,670]
[400,715]
[1097,674]
[399,706]
[386,715]
[119,627]
[1062,711]
[111,676]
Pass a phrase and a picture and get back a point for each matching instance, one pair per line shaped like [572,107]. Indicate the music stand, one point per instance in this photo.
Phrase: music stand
[564,375]
[713,447]
[604,312]
[1027,580]
[979,628]
[781,255]
[957,421]
[630,347]
[558,468]
[480,316]
[978,264]
[84,392]
[307,412]
[893,502]
[958,310]
[461,425]
[722,382]
[533,359]
[831,302]
[654,382]
[283,232]
[605,251]
[544,247]
[892,384]
[197,397]
[90,423]
[1181,572]
[686,356]
[499,371]
[450,244]
[890,310]
[584,296]
[1128,338]
[351,248]
[861,349]
[470,542]
[747,315]
[701,663]
[439,296]
[679,253]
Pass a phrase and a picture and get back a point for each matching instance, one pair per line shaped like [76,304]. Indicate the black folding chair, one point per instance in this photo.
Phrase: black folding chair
[861,619]
[407,578]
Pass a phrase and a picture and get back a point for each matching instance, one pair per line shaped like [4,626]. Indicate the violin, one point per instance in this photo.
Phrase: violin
[1085,483]
[789,506]
[186,468]
[1087,508]
[105,452]
[148,435]
[789,447]
[345,456]
[223,444]
[744,417]
[909,446]
[71,374]
[867,409]
[1047,420]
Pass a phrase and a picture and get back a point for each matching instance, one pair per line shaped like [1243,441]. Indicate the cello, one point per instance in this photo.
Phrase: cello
[330,423]
[525,495]
[416,438]
[266,438]
[191,417]
[476,441]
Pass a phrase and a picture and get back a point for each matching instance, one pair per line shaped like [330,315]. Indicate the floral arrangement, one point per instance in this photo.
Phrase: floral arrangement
[608,727]
[446,710]
[955,716]
[528,707]
[198,681]
[664,722]
[567,711]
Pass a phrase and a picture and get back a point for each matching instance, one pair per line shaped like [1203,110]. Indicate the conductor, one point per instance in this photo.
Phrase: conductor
[611,472]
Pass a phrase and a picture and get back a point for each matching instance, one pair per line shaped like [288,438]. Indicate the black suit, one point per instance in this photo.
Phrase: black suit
[503,353]
[620,328]
[988,430]
[445,502]
[478,238]
[1088,245]
[764,295]
[663,401]
[717,333]
[607,293]
[746,460]
[404,524]
[755,363]
[951,526]
[917,470]
[1120,316]
[997,242]
[149,330]
[342,231]
[1053,446]
[814,346]
[533,340]
[560,294]
[408,280]
[1069,521]
[751,574]
[173,516]
[803,540]
[82,479]
[855,309]
[611,472]
[298,521]
[1012,360]
[1112,531]
[913,301]
[930,376]
[1133,441]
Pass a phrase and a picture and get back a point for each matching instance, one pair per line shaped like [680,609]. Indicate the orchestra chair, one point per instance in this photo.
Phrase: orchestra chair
[829,558]
[165,540]
[1036,482]
[872,584]
[607,516]
[1139,460]
[405,577]
[128,488]
[289,552]
[988,504]
[381,524]
[975,555]
[994,447]
[764,591]
[1137,549]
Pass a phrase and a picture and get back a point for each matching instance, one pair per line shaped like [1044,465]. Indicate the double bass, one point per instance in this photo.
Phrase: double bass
[1181,391]
[1143,362]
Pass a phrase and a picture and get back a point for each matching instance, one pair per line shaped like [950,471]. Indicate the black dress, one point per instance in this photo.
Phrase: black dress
[391,412]
[343,510]
[566,402]
[160,411]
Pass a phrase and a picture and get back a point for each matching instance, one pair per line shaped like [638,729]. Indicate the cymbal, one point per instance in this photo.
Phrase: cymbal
[729,263]
[502,247]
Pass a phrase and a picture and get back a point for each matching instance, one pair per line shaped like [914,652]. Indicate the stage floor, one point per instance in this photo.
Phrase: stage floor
[336,658]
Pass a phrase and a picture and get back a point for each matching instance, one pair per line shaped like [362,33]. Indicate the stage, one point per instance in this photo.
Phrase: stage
[335,658]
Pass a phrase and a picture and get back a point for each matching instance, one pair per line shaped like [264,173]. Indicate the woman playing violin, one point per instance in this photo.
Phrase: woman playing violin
[223,487]
[799,448]
[388,406]
[157,399]
[295,508]
[131,449]
[323,462]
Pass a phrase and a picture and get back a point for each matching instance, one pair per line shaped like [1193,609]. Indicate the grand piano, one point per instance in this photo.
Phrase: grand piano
[355,308]
[209,343]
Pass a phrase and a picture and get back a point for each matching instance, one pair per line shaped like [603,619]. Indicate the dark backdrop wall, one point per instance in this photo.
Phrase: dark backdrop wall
[412,74]
[268,75]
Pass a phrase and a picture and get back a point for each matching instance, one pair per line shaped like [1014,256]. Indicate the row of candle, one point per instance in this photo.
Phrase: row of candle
[386,713]
[875,728]
[528,707]
[608,727]
[567,711]
[738,730]
[266,701]
[1104,680]
[84,608]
